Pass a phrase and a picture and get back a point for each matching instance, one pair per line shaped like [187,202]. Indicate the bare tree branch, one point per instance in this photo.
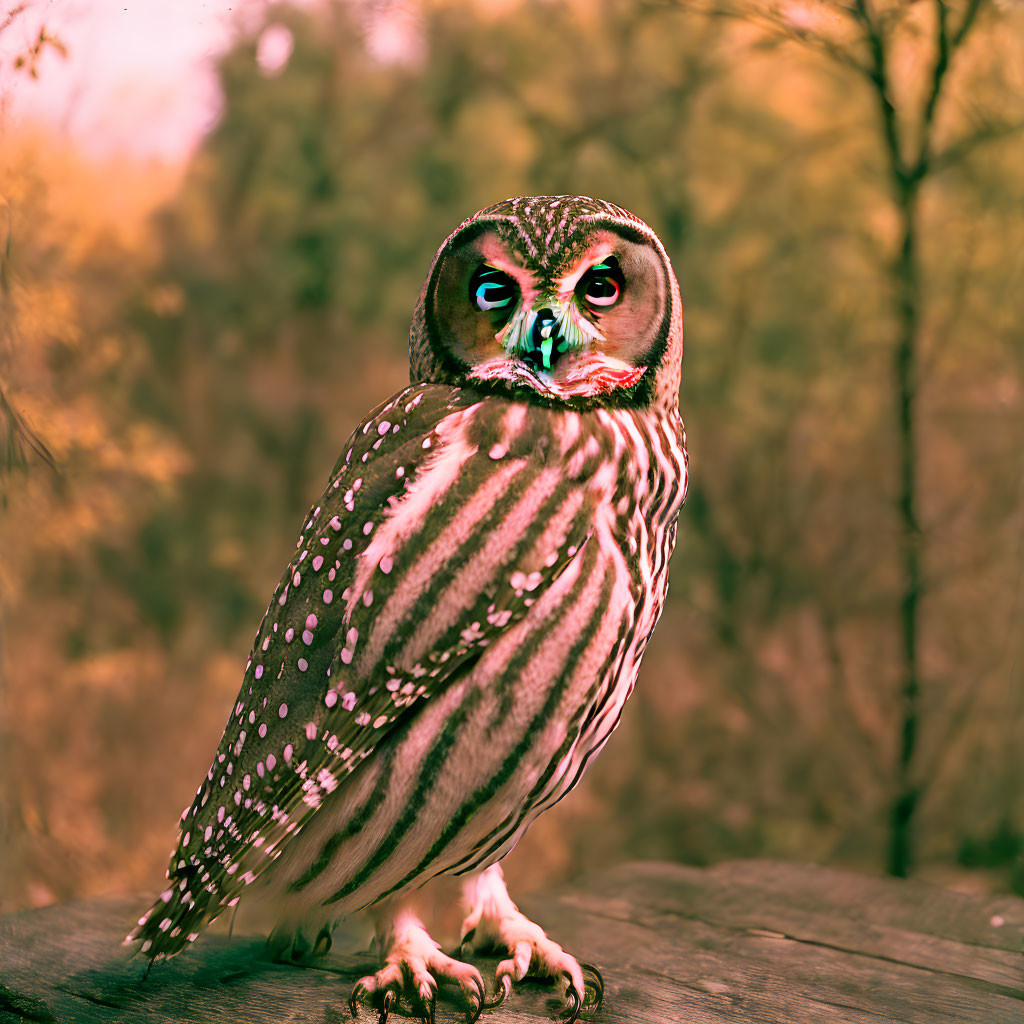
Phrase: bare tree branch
[945,48]
[780,29]
[973,7]
[30,57]
[957,151]
[879,77]
[942,54]
[17,437]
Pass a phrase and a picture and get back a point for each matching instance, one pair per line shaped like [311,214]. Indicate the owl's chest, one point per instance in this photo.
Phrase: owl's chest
[646,461]
[621,474]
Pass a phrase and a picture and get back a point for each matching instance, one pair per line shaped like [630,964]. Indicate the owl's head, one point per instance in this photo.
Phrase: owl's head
[563,299]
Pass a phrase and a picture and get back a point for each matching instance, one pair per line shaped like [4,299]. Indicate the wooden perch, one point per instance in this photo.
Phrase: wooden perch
[744,942]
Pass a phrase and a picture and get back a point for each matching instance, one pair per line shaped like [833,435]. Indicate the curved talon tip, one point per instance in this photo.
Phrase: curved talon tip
[389,1001]
[476,994]
[597,987]
[573,1006]
[353,999]
[573,1001]
[501,992]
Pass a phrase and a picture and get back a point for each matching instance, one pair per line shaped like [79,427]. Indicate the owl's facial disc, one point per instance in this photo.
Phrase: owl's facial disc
[580,329]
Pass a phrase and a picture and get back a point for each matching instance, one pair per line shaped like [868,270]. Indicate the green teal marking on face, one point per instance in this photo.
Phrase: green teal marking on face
[546,345]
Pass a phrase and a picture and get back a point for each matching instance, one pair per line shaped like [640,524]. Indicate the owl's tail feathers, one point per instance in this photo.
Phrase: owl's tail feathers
[176,918]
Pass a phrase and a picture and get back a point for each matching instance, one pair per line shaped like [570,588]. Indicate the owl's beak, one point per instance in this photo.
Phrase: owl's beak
[545,342]
[541,335]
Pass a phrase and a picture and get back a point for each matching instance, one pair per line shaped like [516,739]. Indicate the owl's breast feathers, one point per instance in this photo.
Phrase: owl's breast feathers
[461,537]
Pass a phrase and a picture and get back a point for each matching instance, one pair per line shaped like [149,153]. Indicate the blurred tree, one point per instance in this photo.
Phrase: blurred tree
[26,57]
[17,438]
[871,40]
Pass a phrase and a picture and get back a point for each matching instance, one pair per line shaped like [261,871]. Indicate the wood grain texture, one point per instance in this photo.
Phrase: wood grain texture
[744,942]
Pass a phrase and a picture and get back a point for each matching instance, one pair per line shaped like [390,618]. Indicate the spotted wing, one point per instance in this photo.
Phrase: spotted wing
[435,534]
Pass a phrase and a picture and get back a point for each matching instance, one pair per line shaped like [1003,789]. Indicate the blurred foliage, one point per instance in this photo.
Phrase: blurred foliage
[196,372]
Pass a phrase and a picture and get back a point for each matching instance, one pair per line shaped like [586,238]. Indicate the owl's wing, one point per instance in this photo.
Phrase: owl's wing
[435,534]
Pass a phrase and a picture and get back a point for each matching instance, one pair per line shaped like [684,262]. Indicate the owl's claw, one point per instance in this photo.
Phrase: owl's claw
[590,999]
[358,991]
[494,920]
[477,1007]
[476,995]
[573,1001]
[368,987]
[413,967]
[430,1005]
[592,982]
[502,990]
[389,1001]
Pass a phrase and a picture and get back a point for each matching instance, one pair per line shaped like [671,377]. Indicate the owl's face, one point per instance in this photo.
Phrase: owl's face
[562,298]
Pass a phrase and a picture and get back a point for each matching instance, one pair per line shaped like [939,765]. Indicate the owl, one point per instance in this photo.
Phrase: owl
[465,614]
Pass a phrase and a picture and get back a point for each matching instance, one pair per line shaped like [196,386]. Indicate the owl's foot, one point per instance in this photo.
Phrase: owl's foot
[291,945]
[495,921]
[413,965]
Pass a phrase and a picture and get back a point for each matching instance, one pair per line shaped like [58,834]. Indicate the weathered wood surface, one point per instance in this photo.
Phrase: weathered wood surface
[747,941]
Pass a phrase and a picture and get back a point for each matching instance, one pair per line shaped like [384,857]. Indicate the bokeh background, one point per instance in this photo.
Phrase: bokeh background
[214,222]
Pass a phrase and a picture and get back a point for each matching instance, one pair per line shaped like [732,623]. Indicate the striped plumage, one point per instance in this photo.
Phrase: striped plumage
[470,598]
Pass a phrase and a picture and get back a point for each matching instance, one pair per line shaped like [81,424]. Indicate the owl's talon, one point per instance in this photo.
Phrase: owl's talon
[474,1014]
[502,990]
[358,990]
[592,982]
[475,992]
[495,919]
[573,1001]
[389,1001]
[413,967]
[430,1005]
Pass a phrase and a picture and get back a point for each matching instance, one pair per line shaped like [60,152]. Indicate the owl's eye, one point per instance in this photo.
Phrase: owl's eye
[491,289]
[602,284]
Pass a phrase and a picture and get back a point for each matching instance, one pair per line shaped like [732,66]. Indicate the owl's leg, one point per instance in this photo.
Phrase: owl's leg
[413,963]
[494,920]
